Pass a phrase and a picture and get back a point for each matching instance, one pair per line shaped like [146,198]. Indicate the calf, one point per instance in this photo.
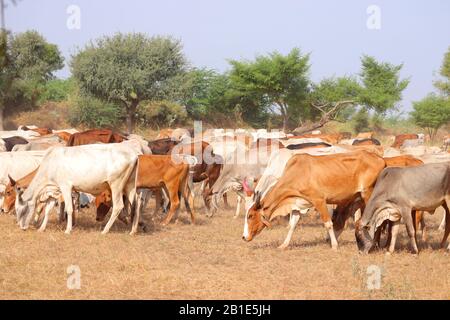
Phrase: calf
[400,191]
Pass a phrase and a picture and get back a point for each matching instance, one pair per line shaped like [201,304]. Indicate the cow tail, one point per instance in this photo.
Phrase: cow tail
[192,161]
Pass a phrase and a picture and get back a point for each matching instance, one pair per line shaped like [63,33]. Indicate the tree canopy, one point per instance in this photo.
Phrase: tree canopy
[128,68]
[444,84]
[382,86]
[282,79]
[28,62]
[431,113]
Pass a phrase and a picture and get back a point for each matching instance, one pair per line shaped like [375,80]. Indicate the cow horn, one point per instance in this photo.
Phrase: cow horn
[13,182]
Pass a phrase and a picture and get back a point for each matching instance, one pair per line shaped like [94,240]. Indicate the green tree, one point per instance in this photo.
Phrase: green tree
[129,68]
[444,84]
[431,113]
[28,63]
[381,83]
[281,79]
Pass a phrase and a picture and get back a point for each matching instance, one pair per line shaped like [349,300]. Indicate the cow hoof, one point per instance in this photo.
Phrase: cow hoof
[388,253]
[282,247]
[132,233]
[41,230]
[67,232]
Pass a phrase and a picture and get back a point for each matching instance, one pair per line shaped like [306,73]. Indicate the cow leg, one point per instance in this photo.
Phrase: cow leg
[66,192]
[189,197]
[117,200]
[409,219]
[389,234]
[238,207]
[447,226]
[48,208]
[420,223]
[225,201]
[174,204]
[295,217]
[158,199]
[76,206]
[137,211]
[62,212]
[321,206]
[394,233]
[442,225]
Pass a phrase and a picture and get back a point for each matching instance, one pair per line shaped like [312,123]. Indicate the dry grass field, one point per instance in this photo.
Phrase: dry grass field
[210,261]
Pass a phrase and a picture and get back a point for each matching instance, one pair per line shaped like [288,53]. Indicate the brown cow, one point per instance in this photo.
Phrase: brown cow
[94,136]
[155,171]
[64,135]
[332,179]
[41,131]
[399,139]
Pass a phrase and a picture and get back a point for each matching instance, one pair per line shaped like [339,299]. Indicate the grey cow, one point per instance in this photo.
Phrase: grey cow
[233,174]
[397,193]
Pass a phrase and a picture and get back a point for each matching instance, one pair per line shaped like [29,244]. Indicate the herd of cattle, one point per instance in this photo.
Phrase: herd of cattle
[272,173]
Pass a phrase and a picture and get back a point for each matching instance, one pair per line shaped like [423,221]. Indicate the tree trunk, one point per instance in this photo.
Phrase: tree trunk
[285,122]
[284,114]
[131,112]
[2,110]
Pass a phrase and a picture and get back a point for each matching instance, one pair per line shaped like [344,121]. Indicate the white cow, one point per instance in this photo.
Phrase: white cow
[86,168]
[17,165]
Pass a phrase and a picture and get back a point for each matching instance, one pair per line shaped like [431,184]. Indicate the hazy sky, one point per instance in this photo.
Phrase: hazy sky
[416,33]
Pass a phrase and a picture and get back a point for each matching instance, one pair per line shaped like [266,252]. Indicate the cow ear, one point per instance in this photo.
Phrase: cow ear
[265,221]
[13,182]
[258,200]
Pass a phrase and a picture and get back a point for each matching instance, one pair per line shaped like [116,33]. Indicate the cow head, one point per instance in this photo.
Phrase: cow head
[363,239]
[103,203]
[255,221]
[10,196]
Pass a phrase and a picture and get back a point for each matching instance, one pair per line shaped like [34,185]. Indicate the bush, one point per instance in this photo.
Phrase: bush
[361,121]
[161,114]
[94,113]
[58,90]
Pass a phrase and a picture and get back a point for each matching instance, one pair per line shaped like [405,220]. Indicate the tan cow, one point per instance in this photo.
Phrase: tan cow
[155,171]
[331,179]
